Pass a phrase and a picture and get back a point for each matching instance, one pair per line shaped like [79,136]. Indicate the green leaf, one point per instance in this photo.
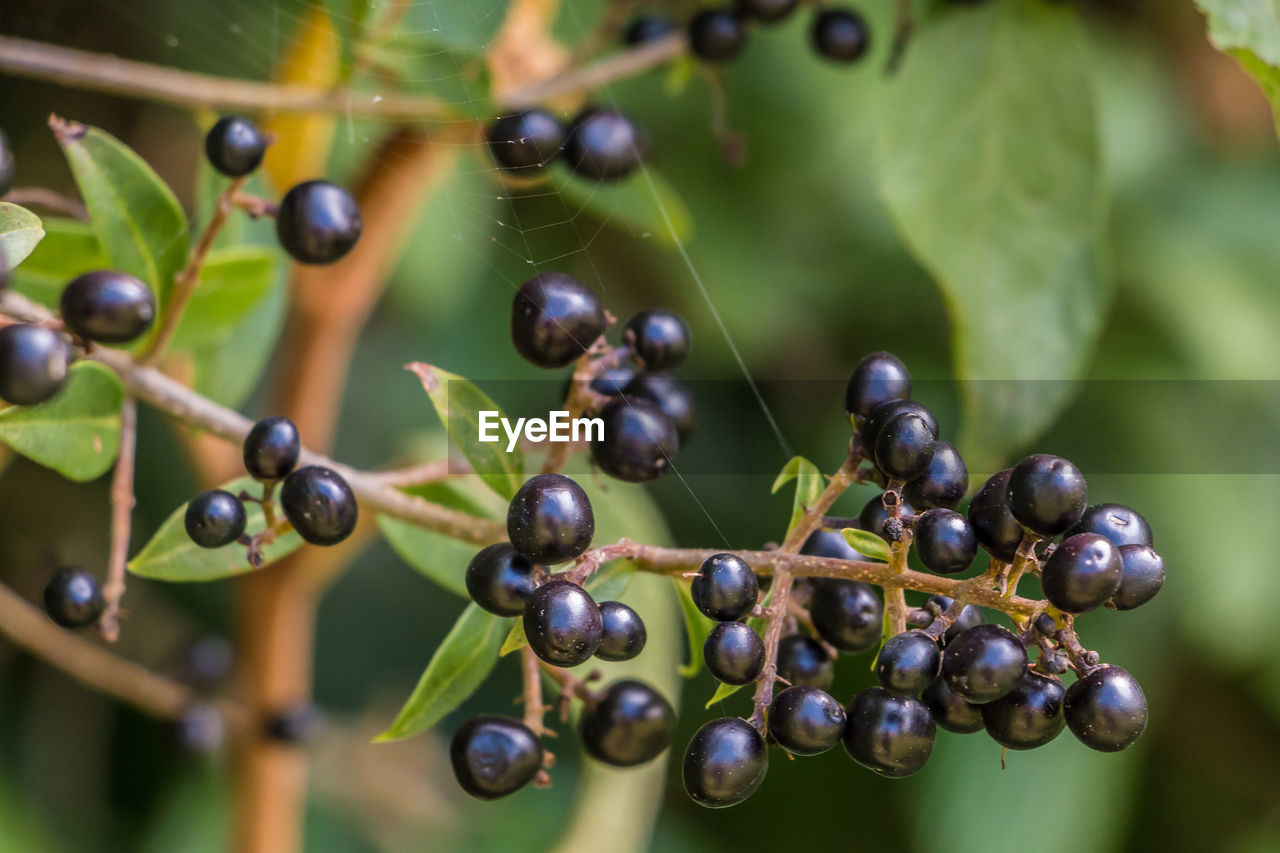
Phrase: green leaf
[459,403]
[172,556]
[1267,76]
[20,231]
[993,179]
[1252,25]
[808,486]
[515,639]
[867,543]
[232,283]
[463,661]
[229,372]
[68,249]
[639,204]
[441,558]
[696,628]
[77,433]
[135,215]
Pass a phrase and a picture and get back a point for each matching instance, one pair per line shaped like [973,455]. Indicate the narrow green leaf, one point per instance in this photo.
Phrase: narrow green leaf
[68,249]
[20,232]
[696,628]
[465,658]
[441,558]
[232,283]
[808,486]
[515,639]
[459,403]
[639,204]
[170,555]
[77,433]
[228,373]
[867,543]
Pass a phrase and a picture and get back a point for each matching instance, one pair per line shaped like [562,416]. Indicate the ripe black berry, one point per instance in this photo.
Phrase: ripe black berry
[319,504]
[638,441]
[494,756]
[550,519]
[215,518]
[525,140]
[984,663]
[271,449]
[614,380]
[6,164]
[33,364]
[1082,573]
[734,653]
[716,35]
[806,720]
[73,598]
[950,711]
[803,661]
[658,338]
[885,412]
[318,222]
[765,11]
[848,614]
[725,763]
[554,319]
[670,395]
[107,307]
[904,447]
[623,634]
[725,588]
[945,541]
[646,28]
[1047,494]
[969,616]
[631,723]
[500,580]
[878,378]
[562,623]
[1117,522]
[889,733]
[1106,709]
[992,519]
[908,662]
[295,724]
[874,515]
[830,543]
[943,485]
[234,146]
[1141,576]
[840,35]
[603,145]
[1028,716]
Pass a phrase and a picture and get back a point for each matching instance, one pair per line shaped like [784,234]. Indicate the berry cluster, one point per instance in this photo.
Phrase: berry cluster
[598,143]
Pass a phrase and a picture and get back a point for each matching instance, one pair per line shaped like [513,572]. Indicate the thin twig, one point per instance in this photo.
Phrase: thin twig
[48,199]
[421,475]
[588,78]
[122,501]
[534,709]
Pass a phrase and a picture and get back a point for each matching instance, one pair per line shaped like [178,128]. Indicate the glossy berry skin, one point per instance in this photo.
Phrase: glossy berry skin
[803,661]
[72,598]
[494,756]
[550,520]
[215,518]
[725,763]
[908,662]
[555,319]
[950,711]
[885,412]
[500,580]
[528,139]
[904,447]
[1047,494]
[993,523]
[318,222]
[840,35]
[734,653]
[1106,710]
[646,28]
[1141,576]
[107,307]
[806,720]
[848,614]
[630,725]
[639,441]
[271,449]
[969,616]
[830,543]
[889,733]
[943,485]
[623,634]
[6,164]
[562,623]
[716,35]
[1082,573]
[659,339]
[603,145]
[878,378]
[765,11]
[670,395]
[614,380]
[319,504]
[234,146]
[725,588]
[1117,522]
[33,364]
[874,515]
[984,663]
[1028,716]
[945,541]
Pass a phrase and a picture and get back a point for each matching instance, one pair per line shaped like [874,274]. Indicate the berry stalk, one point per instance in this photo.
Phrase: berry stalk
[122,501]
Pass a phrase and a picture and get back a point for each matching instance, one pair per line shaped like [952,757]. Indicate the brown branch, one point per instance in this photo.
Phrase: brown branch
[122,501]
[534,709]
[46,198]
[588,78]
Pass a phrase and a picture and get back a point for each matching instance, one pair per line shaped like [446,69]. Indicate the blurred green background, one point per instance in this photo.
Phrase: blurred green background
[801,259]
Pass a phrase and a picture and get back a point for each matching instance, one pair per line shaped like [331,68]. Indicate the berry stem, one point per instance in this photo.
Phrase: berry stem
[122,501]
[534,709]
[895,601]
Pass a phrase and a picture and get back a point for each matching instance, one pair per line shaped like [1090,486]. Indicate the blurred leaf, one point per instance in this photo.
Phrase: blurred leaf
[867,543]
[1253,25]
[349,18]
[441,558]
[808,486]
[993,179]
[172,556]
[20,232]
[1267,77]
[639,204]
[232,283]
[68,249]
[312,58]
[228,373]
[77,433]
[696,628]
[463,661]
[459,403]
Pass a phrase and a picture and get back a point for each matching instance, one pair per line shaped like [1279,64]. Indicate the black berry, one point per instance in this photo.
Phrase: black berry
[603,145]
[623,634]
[638,441]
[73,598]
[1141,576]
[878,378]
[294,724]
[725,763]
[969,616]
[271,449]
[319,504]
[725,588]
[318,222]
[215,518]
[950,711]
[806,720]
[550,519]
[734,653]
[945,541]
[500,580]
[885,412]
[646,28]
[6,164]
[904,447]
[992,519]
[494,756]
[840,35]
[765,11]
[984,663]
[234,146]
[874,516]
[1028,716]
[562,623]
[1106,709]
[908,662]
[889,733]
[613,381]
[848,614]
[670,395]
[554,319]
[830,543]
[33,364]
[1082,573]
[1117,522]
[658,338]
[1047,494]
[803,661]
[201,730]
[630,724]
[107,307]
[943,485]
[716,35]
[525,140]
